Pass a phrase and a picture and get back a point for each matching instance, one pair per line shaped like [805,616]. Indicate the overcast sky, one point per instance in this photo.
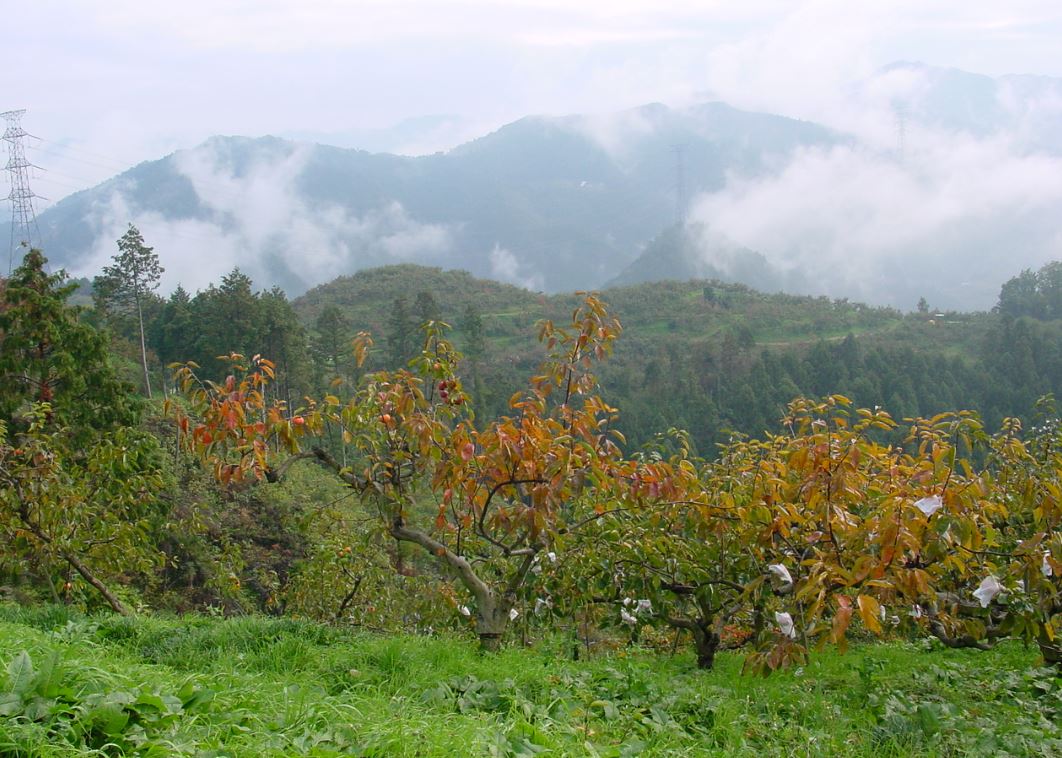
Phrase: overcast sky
[111,82]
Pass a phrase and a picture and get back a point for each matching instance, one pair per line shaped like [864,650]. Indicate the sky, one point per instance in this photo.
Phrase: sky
[109,83]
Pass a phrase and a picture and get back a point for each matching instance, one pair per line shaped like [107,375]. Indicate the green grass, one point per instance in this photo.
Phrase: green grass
[267,687]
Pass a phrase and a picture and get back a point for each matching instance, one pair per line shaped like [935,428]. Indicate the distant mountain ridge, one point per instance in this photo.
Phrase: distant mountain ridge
[556,203]
[544,202]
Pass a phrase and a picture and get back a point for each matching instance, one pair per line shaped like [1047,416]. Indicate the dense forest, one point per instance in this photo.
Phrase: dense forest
[704,356]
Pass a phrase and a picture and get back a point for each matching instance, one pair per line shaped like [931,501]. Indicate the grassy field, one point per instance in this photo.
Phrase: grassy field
[200,686]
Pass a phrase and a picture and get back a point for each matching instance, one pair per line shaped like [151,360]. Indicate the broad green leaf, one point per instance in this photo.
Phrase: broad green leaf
[20,674]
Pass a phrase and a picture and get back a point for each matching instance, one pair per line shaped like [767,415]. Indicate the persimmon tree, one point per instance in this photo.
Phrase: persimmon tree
[62,507]
[1011,585]
[483,501]
[1035,481]
[907,535]
[349,576]
[844,517]
[681,561]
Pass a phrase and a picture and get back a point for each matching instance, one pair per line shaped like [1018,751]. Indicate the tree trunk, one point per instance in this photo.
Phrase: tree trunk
[492,618]
[75,562]
[81,568]
[705,639]
[143,349]
[1051,651]
[706,642]
[347,599]
[492,611]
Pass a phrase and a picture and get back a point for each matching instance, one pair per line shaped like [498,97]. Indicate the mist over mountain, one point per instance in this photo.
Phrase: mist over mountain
[951,183]
[1025,108]
[919,182]
[545,203]
[694,251]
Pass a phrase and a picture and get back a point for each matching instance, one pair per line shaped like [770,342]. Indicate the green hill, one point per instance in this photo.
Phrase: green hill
[714,357]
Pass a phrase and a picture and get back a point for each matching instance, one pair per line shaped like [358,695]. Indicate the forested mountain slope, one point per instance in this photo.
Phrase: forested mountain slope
[712,357]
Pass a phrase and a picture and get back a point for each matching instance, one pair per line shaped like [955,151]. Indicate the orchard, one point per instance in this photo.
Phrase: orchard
[846,521]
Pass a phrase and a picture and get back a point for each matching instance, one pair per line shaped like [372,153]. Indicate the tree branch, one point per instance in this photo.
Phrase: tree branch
[274,475]
[445,556]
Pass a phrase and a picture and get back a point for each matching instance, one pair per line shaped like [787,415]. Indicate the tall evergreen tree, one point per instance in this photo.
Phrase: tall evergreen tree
[228,319]
[427,308]
[172,334]
[127,284]
[330,343]
[471,325]
[283,340]
[401,333]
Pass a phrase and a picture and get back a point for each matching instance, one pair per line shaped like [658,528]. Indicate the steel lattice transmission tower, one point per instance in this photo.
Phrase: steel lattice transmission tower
[24,229]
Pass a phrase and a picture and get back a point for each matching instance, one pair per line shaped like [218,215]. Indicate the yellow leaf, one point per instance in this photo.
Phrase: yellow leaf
[869,608]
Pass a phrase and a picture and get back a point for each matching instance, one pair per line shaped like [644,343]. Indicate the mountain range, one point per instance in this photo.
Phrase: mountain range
[575,202]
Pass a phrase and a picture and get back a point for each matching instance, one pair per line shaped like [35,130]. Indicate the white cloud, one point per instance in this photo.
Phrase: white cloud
[256,219]
[854,222]
[285,27]
[616,133]
[124,78]
[505,267]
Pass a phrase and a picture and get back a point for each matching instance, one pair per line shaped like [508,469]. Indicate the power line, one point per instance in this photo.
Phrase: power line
[53,146]
[66,152]
[24,229]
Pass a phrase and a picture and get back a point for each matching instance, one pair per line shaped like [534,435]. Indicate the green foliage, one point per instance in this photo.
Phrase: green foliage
[401,333]
[232,317]
[330,346]
[134,273]
[1037,294]
[255,686]
[68,513]
[172,333]
[712,358]
[48,354]
[78,481]
[350,578]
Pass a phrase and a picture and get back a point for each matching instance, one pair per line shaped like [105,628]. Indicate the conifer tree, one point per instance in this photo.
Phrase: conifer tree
[427,308]
[401,332]
[172,335]
[128,282]
[331,343]
[48,354]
